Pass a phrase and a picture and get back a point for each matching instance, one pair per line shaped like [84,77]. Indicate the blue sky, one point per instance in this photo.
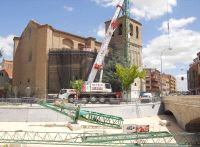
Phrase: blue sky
[86,18]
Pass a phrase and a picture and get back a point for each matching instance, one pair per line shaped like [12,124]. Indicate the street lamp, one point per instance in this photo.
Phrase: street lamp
[161,68]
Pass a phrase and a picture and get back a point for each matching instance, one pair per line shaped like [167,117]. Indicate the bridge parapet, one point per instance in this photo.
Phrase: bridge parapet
[186,110]
[183,100]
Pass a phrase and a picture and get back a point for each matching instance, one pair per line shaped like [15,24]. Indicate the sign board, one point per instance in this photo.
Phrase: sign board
[129,128]
[142,128]
[132,128]
[97,86]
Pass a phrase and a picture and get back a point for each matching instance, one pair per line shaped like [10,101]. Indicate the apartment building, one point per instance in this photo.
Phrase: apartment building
[193,76]
[152,81]
[158,83]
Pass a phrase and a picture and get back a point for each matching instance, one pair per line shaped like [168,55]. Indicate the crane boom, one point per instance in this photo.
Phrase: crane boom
[104,47]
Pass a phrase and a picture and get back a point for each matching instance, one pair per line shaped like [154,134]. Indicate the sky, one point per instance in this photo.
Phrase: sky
[177,47]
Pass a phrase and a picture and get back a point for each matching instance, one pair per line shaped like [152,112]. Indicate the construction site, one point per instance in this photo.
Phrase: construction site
[47,111]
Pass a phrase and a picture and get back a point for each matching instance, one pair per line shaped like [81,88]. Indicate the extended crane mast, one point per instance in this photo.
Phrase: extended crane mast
[104,47]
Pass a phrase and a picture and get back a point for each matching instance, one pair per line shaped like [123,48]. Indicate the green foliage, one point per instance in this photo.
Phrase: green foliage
[7,88]
[127,75]
[77,84]
[109,75]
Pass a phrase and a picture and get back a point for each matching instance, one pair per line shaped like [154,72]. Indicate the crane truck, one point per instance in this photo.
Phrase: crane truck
[97,91]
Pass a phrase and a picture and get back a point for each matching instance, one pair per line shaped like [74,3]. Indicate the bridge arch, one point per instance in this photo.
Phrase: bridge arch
[193,125]
[186,111]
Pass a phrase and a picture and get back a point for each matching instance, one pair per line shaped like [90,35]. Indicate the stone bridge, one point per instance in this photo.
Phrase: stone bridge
[186,110]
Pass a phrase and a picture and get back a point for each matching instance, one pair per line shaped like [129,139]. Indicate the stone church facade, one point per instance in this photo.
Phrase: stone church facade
[31,50]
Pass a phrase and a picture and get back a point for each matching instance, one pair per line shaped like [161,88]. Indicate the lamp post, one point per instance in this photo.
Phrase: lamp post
[161,69]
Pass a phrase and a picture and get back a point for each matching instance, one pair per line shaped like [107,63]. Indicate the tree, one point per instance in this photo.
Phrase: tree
[7,89]
[77,85]
[109,75]
[127,75]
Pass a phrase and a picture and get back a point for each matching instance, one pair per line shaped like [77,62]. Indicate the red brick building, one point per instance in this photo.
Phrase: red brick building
[193,76]
[152,81]
[168,84]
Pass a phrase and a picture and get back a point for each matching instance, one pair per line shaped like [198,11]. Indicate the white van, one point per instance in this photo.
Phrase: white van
[146,97]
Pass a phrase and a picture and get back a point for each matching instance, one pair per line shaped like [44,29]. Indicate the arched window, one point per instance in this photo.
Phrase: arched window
[120,29]
[80,46]
[68,43]
[131,30]
[137,32]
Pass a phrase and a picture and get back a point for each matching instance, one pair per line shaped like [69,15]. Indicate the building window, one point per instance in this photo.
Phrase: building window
[120,29]
[137,32]
[131,30]
[113,34]
[80,46]
[147,82]
[68,43]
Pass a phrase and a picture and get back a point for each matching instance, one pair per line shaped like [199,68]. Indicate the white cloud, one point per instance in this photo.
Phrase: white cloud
[185,44]
[147,9]
[175,24]
[68,8]
[6,43]
[151,9]
[101,31]
[106,3]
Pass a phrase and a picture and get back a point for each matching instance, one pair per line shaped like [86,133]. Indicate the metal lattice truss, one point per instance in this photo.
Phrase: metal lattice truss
[63,138]
[101,119]
[88,116]
[66,110]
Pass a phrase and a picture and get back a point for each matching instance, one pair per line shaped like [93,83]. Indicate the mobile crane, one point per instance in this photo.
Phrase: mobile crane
[97,91]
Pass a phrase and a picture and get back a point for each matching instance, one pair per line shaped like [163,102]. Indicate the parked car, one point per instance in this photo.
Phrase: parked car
[146,97]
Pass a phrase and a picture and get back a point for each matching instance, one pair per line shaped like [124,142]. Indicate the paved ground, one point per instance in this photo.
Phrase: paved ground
[152,120]
[86,127]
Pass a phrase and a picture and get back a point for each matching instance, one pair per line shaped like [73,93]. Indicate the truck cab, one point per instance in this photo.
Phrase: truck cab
[64,93]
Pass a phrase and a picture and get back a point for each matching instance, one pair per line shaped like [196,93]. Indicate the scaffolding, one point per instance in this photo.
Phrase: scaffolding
[65,65]
[126,31]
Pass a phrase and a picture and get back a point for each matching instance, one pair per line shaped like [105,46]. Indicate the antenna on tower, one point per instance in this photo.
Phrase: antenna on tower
[168,27]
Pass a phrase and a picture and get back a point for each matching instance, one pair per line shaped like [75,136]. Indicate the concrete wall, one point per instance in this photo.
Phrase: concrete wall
[40,114]
[126,110]
[30,114]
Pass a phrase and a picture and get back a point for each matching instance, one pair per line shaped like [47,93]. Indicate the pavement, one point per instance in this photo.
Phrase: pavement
[152,121]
